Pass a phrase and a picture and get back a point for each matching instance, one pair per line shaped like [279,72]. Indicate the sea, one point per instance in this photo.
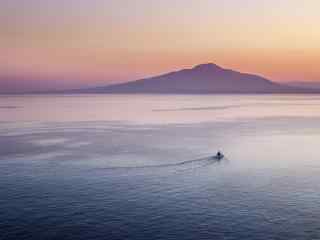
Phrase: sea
[141,167]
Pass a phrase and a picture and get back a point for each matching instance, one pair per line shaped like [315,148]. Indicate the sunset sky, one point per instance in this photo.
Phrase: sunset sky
[47,44]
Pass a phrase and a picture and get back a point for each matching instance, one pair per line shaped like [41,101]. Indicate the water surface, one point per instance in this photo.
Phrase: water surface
[139,167]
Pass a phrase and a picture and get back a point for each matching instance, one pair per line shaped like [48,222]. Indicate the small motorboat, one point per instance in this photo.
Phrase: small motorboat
[219,156]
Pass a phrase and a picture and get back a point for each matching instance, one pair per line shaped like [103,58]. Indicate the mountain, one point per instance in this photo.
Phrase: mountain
[202,79]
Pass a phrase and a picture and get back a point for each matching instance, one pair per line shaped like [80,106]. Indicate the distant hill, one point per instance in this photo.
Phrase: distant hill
[202,79]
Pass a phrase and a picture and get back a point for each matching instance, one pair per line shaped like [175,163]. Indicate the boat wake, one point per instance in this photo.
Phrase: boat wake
[191,164]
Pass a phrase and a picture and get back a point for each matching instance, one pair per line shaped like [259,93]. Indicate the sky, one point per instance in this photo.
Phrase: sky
[56,44]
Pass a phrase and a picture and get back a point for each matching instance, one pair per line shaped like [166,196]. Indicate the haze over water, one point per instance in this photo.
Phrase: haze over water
[139,167]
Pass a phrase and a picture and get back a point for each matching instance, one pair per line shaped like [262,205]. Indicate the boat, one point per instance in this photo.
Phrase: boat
[219,156]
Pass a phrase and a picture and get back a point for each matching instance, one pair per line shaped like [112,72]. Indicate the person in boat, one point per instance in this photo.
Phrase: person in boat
[219,155]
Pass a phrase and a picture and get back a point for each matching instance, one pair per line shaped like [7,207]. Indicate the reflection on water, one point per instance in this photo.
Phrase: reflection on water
[156,108]
[140,167]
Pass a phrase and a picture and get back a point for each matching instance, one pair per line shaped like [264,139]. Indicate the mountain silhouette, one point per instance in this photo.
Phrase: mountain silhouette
[201,79]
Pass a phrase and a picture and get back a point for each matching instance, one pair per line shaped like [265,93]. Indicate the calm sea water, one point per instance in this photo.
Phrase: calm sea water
[138,167]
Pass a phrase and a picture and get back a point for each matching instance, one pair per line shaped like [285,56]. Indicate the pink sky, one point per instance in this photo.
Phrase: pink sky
[65,44]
